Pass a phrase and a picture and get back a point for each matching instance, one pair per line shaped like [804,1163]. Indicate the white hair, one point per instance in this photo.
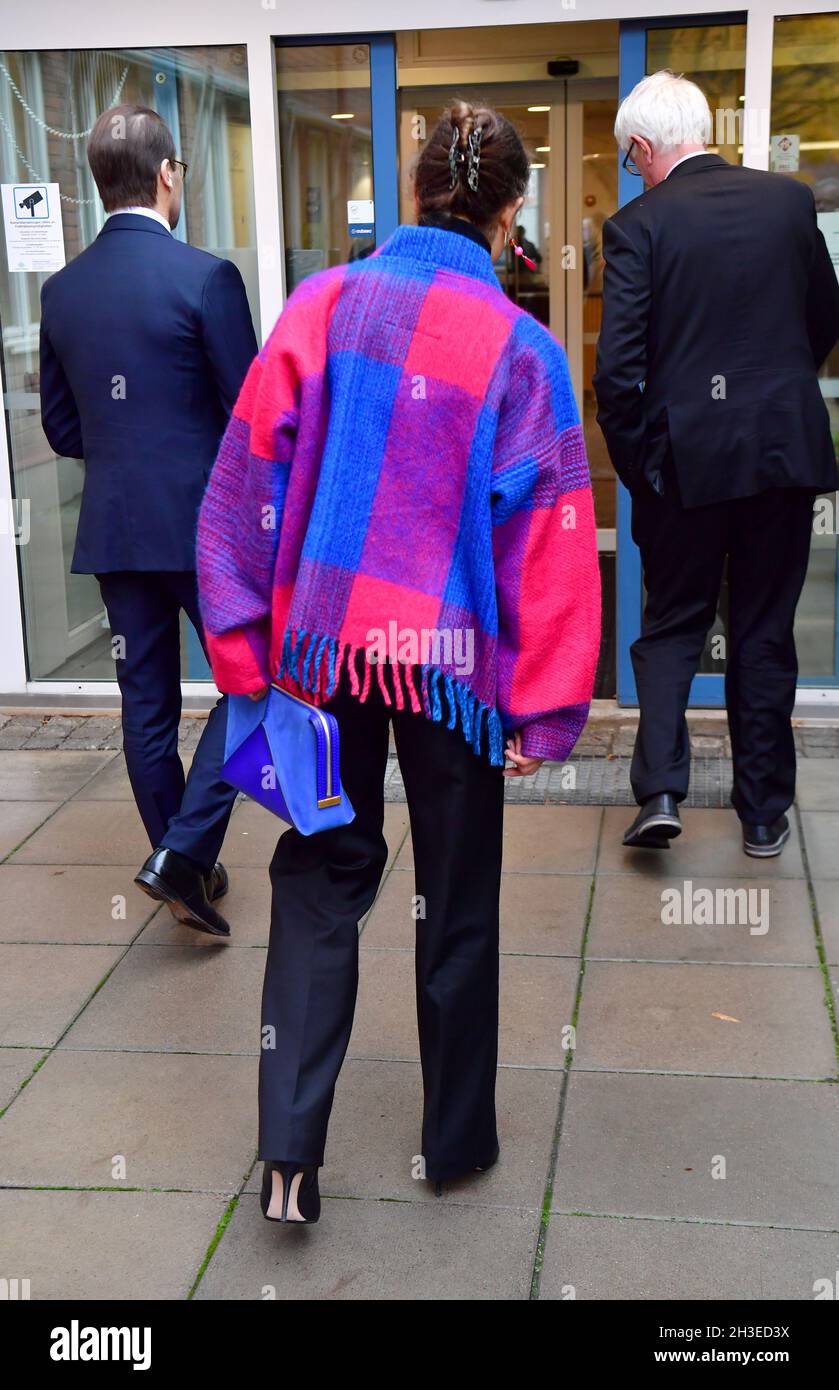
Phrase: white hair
[668,110]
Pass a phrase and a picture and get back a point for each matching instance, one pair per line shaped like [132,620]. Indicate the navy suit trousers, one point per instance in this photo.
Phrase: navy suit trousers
[189,815]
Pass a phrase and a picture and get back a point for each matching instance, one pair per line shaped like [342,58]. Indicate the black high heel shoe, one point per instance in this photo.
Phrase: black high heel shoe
[303,1196]
[482,1168]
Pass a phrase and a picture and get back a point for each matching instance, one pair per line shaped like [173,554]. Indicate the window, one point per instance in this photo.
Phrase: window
[48,104]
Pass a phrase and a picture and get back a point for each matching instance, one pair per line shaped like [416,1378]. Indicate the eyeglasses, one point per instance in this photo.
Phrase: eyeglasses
[183,166]
[629,164]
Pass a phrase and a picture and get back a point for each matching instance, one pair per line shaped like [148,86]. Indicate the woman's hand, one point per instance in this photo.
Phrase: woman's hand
[524,767]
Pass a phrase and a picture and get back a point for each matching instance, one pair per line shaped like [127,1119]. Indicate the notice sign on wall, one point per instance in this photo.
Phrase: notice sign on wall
[784,153]
[32,218]
[360,217]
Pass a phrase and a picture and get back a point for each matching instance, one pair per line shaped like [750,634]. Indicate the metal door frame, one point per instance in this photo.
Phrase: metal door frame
[382,48]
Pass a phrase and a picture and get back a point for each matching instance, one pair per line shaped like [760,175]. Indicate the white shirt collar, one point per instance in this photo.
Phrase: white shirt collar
[692,155]
[143,212]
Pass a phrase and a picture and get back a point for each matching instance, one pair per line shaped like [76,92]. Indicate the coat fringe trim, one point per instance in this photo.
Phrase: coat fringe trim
[315,662]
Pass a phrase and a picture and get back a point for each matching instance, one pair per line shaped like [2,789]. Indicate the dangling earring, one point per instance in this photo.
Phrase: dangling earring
[531,264]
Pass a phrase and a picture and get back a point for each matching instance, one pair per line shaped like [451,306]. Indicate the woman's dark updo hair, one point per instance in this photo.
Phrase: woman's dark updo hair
[503,171]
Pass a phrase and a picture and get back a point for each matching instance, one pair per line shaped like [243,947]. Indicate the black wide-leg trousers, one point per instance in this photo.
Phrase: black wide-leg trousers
[766,540]
[322,885]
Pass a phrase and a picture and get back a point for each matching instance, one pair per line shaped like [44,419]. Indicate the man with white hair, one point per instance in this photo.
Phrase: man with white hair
[720,305]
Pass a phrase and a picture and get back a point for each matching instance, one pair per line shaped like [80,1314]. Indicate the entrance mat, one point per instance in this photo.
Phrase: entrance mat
[594,781]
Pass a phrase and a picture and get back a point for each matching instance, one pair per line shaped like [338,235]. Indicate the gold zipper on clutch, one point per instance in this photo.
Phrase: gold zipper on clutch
[329,799]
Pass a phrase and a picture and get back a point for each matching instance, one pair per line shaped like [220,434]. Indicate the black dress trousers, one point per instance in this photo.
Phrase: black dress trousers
[766,539]
[325,883]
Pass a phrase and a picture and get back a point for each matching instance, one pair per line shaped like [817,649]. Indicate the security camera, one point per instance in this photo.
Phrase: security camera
[32,201]
[563,67]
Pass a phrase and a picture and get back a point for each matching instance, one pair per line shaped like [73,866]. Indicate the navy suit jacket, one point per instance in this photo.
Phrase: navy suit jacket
[145,343]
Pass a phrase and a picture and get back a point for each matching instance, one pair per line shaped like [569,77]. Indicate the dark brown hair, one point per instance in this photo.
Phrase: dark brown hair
[126,148]
[503,171]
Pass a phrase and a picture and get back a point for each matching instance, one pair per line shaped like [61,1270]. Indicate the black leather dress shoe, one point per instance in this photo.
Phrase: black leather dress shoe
[170,877]
[765,841]
[656,824]
[215,885]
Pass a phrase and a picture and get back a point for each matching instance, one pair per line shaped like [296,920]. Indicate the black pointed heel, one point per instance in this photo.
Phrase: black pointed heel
[479,1168]
[307,1195]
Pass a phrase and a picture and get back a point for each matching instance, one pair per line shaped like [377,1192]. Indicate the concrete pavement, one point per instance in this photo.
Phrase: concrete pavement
[667,1087]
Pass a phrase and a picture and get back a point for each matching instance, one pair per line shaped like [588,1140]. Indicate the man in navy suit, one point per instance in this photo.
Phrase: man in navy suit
[145,342]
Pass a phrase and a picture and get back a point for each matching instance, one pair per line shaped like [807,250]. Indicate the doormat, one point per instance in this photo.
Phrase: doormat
[593,781]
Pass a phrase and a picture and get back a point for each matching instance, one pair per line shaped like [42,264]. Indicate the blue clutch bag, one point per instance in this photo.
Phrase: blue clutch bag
[285,754]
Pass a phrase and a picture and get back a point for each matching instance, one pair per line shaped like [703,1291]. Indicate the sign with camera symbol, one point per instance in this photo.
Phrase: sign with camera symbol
[34,231]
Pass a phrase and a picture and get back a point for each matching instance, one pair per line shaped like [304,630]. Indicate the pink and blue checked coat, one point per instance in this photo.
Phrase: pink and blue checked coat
[406,449]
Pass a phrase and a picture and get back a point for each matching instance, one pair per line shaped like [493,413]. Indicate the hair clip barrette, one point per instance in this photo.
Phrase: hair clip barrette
[474,169]
[453,156]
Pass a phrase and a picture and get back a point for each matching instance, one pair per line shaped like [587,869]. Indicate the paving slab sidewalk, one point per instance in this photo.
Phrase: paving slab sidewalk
[667,1088]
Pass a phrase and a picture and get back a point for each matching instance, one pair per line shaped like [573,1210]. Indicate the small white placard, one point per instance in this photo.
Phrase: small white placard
[32,218]
[784,153]
[360,216]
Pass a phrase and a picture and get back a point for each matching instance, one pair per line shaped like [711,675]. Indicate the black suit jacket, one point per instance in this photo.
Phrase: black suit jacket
[145,343]
[721,299]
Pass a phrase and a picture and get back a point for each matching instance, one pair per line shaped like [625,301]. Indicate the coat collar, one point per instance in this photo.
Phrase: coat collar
[133,222]
[439,248]
[455,224]
[696,164]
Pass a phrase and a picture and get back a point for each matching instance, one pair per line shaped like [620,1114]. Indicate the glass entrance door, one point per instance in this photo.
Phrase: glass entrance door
[567,127]
[711,50]
[351,128]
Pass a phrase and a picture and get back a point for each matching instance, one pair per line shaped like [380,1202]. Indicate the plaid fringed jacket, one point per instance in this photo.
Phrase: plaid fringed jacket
[404,476]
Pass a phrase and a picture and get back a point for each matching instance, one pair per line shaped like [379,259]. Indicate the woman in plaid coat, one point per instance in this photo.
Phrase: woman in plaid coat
[399,525]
